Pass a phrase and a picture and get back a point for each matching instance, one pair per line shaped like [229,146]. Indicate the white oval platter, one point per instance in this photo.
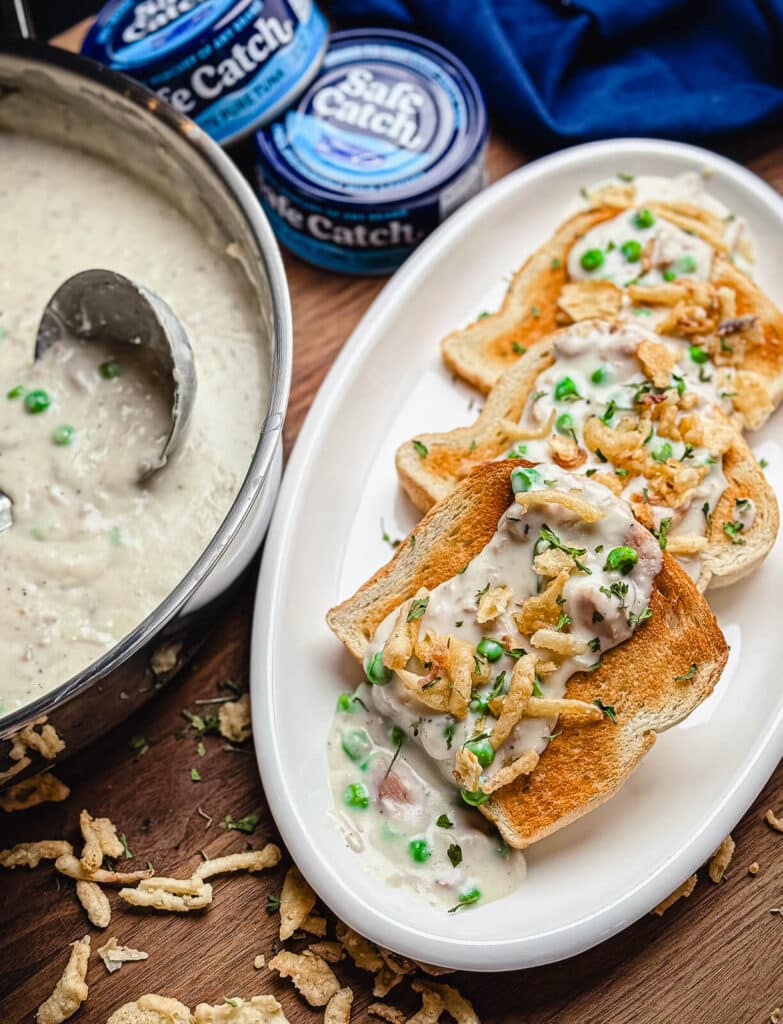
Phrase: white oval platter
[602,873]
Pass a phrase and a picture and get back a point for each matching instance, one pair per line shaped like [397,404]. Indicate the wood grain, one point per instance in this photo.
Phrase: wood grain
[716,956]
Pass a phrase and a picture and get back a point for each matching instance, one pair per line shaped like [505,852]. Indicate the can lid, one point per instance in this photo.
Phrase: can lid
[131,36]
[390,118]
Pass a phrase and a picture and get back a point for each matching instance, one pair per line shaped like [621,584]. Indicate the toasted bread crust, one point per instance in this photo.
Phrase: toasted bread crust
[482,351]
[453,454]
[638,676]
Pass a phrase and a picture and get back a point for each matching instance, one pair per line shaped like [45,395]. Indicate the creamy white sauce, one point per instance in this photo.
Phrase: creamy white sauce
[591,349]
[91,551]
[599,618]
[673,252]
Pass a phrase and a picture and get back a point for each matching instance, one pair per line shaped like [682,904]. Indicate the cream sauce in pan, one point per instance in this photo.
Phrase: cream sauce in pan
[92,551]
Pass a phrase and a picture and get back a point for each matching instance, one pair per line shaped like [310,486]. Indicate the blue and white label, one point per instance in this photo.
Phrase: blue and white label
[385,142]
[228,64]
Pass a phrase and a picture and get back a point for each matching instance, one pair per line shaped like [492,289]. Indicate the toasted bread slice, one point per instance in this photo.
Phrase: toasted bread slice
[652,681]
[538,300]
[450,457]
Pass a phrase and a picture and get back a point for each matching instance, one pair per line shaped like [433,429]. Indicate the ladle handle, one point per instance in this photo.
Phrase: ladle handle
[15,19]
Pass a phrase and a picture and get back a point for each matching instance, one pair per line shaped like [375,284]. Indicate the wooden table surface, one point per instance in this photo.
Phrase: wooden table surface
[715,957]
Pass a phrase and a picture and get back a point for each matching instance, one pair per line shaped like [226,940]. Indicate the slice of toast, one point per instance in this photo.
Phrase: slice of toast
[450,457]
[536,303]
[652,681]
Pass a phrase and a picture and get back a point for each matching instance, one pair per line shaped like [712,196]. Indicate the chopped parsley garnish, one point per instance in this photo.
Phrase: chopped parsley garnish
[608,709]
[618,589]
[483,314]
[548,535]
[743,504]
[555,263]
[473,446]
[537,691]
[272,904]
[595,644]
[763,463]
[139,745]
[125,847]
[195,775]
[732,531]
[455,854]
[481,593]
[635,620]
[247,824]
[597,617]
[688,675]
[600,455]
[417,608]
[387,539]
[448,734]
[707,514]
[421,449]
[562,622]
[517,348]
[466,899]
[535,311]
[662,533]
[609,411]
[444,821]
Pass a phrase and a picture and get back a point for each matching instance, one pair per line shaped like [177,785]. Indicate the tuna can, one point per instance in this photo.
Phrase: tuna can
[230,65]
[387,140]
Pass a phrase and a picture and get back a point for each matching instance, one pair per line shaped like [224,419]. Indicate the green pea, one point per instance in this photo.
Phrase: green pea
[564,424]
[474,799]
[632,250]
[664,452]
[36,401]
[600,376]
[490,649]
[376,671]
[669,275]
[397,735]
[622,559]
[344,702]
[592,259]
[63,434]
[479,704]
[419,850]
[469,896]
[110,369]
[484,751]
[697,354]
[357,744]
[643,218]
[519,451]
[564,388]
[356,795]
[523,479]
[15,392]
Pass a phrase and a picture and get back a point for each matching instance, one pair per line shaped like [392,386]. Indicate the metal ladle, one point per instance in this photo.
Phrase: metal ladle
[100,305]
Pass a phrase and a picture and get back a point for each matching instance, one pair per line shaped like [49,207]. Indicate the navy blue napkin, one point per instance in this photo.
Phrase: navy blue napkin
[588,69]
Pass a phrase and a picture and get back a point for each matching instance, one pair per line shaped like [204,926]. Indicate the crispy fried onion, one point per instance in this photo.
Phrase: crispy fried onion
[681,892]
[331,952]
[562,644]
[568,500]
[69,865]
[234,719]
[398,649]
[46,743]
[447,685]
[100,840]
[152,1009]
[338,1009]
[39,789]
[492,603]
[686,544]
[258,1010]
[516,700]
[248,860]
[448,998]
[176,895]
[467,769]
[71,990]
[313,978]
[566,452]
[721,859]
[552,562]
[750,398]
[522,765]
[95,903]
[114,955]
[657,361]
[693,219]
[542,610]
[30,855]
[582,300]
[297,901]
[512,431]
[773,820]
[383,1011]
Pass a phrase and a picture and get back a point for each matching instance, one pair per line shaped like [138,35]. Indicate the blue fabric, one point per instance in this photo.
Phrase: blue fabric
[554,70]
